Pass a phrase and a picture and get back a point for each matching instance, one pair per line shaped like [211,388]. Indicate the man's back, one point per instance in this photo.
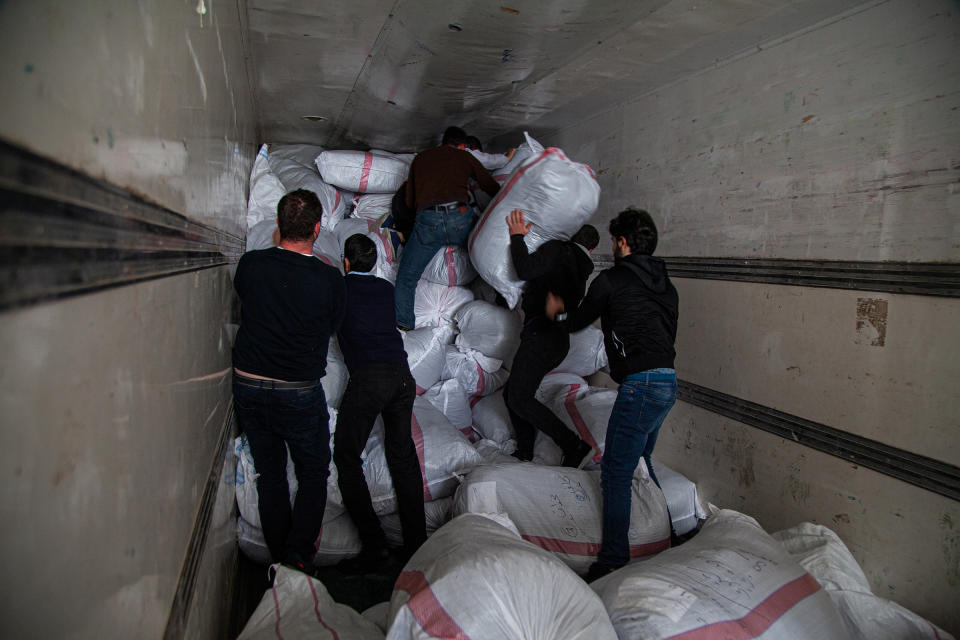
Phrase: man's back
[369,331]
[290,306]
[441,175]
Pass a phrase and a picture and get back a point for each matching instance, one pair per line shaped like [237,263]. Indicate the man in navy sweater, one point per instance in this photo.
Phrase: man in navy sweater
[380,384]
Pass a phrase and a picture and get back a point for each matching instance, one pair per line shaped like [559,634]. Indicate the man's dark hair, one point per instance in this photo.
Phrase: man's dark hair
[638,228]
[454,136]
[587,237]
[298,212]
[361,252]
[473,142]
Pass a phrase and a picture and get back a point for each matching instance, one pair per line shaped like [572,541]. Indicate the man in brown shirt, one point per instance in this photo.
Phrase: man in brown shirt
[437,189]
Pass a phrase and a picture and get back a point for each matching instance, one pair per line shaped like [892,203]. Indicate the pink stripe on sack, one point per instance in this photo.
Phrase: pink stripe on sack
[451,269]
[316,609]
[420,390]
[316,543]
[481,381]
[571,406]
[506,189]
[591,549]
[365,174]
[426,609]
[474,400]
[761,617]
[276,607]
[417,434]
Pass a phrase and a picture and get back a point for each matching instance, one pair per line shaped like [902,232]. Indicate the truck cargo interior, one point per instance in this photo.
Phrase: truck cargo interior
[801,159]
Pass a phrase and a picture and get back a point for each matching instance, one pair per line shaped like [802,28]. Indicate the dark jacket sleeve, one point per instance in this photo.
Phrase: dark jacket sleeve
[483,177]
[411,197]
[591,306]
[533,265]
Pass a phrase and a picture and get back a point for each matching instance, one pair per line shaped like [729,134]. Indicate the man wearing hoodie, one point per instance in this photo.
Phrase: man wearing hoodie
[637,307]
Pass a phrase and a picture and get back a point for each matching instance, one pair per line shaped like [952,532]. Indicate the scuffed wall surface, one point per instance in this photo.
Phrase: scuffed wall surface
[811,353]
[906,539]
[840,142]
[112,405]
[112,402]
[151,96]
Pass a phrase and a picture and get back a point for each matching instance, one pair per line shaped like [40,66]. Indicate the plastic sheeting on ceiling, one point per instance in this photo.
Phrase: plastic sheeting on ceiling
[393,73]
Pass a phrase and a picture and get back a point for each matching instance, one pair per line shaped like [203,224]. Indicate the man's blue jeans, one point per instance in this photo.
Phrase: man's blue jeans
[432,231]
[642,403]
[299,418]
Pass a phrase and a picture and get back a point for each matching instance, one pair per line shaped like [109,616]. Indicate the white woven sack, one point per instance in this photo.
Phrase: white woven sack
[251,542]
[327,248]
[335,380]
[492,421]
[377,614]
[426,348]
[443,452]
[823,554]
[260,235]
[339,540]
[528,148]
[298,606]
[436,512]
[556,195]
[245,479]
[681,497]
[491,330]
[587,354]
[435,304]
[560,509]
[477,374]
[373,206]
[475,578]
[451,399]
[362,172]
[585,410]
[731,580]
[265,190]
[293,165]
[450,266]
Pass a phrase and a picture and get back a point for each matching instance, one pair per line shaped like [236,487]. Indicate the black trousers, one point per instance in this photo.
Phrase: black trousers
[543,346]
[385,389]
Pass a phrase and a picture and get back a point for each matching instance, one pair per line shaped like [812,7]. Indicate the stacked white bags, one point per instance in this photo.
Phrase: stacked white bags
[559,509]
[436,304]
[363,171]
[556,195]
[476,578]
[298,606]
[731,580]
[866,616]
[425,349]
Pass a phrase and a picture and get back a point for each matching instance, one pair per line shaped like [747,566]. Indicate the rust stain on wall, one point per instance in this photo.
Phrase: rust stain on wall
[871,321]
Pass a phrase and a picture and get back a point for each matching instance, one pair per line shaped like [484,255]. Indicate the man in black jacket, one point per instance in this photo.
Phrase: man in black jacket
[637,306]
[560,266]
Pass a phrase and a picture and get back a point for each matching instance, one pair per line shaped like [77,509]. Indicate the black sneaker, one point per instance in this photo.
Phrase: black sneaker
[523,456]
[597,571]
[295,561]
[579,457]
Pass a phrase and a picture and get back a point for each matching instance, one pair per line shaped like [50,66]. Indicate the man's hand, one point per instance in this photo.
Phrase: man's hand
[554,305]
[510,153]
[516,224]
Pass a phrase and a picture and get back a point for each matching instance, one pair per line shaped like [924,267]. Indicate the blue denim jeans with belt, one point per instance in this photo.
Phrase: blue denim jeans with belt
[432,231]
[298,418]
[643,401]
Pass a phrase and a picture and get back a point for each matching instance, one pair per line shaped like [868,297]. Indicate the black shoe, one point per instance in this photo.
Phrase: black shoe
[295,561]
[597,571]
[578,457]
[370,560]
[523,456]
